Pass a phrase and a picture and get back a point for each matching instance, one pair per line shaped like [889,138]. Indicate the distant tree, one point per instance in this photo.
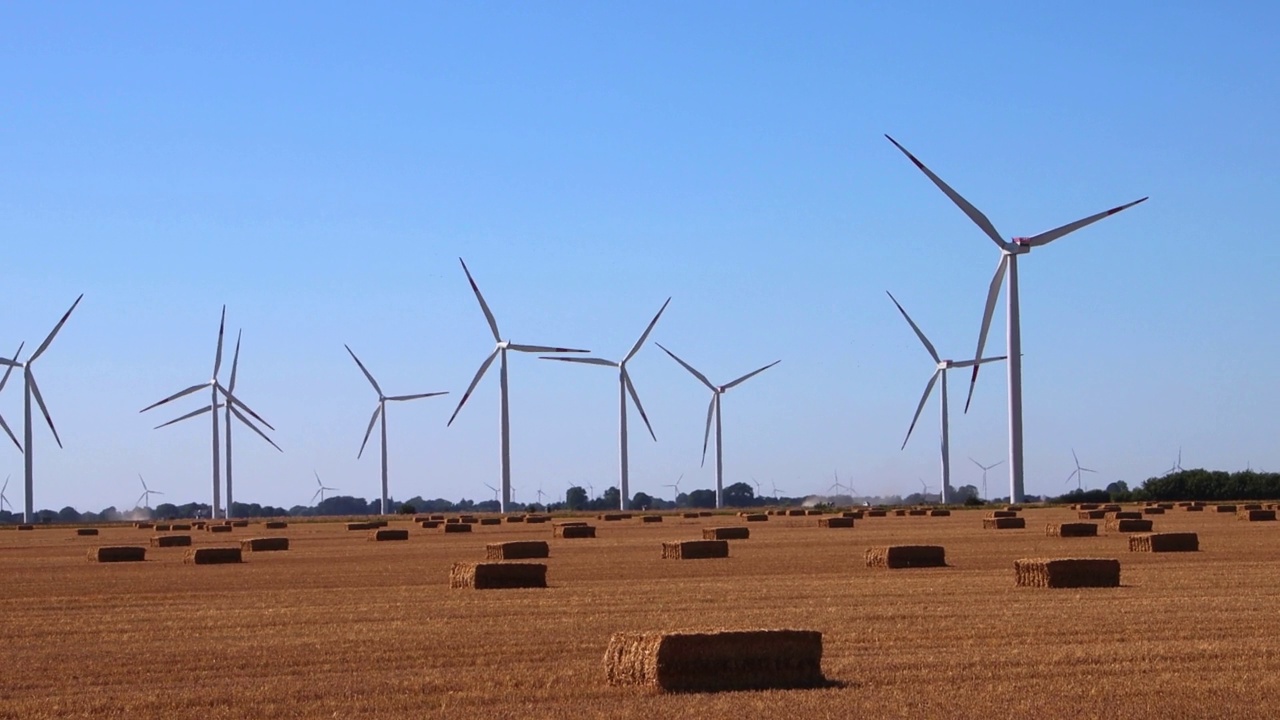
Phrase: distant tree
[575,498]
[166,510]
[702,499]
[739,494]
[642,501]
[68,514]
[406,509]
[963,493]
[611,498]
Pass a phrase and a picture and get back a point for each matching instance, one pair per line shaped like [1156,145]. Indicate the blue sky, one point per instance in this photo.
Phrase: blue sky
[320,167]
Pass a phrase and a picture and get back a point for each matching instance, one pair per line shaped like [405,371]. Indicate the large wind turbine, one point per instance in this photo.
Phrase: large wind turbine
[942,366]
[30,388]
[714,410]
[1009,252]
[625,387]
[500,352]
[229,410]
[380,412]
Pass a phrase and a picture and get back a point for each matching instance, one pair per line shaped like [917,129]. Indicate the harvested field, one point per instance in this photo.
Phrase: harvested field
[83,532]
[716,661]
[1076,529]
[1004,523]
[497,576]
[835,522]
[1257,515]
[161,541]
[574,531]
[1067,572]
[117,553]
[391,535]
[1165,542]
[212,556]
[517,550]
[1129,526]
[726,533]
[906,556]
[695,549]
[264,544]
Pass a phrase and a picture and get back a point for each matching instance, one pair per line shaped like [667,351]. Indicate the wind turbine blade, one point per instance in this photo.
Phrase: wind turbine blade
[993,294]
[235,402]
[975,462]
[1085,469]
[235,363]
[974,213]
[365,370]
[155,492]
[751,374]
[474,381]
[35,390]
[543,349]
[927,345]
[217,358]
[584,361]
[706,436]
[316,495]
[254,428]
[9,432]
[144,482]
[191,414]
[399,398]
[972,363]
[139,500]
[635,398]
[175,396]
[40,350]
[1076,459]
[928,388]
[488,315]
[645,336]
[1045,238]
[372,421]
[9,366]
[689,367]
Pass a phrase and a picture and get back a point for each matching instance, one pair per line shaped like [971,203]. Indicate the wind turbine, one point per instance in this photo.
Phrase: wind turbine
[380,412]
[30,388]
[985,468]
[4,501]
[215,388]
[775,490]
[675,488]
[714,410]
[145,497]
[942,366]
[8,370]
[495,492]
[625,387]
[1177,465]
[924,490]
[500,352]
[1009,252]
[320,493]
[1078,473]
[231,388]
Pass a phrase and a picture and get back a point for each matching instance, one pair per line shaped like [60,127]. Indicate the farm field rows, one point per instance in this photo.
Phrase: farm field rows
[341,627]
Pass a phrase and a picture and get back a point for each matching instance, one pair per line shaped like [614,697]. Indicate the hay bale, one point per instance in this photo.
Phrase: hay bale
[1165,506]
[906,556]
[264,544]
[141,525]
[515,518]
[1015,508]
[1004,523]
[811,512]
[1066,572]
[276,525]
[917,512]
[574,531]
[1250,506]
[835,522]
[726,533]
[795,512]
[1226,508]
[517,550]
[1194,508]
[1257,515]
[490,521]
[361,526]
[570,523]
[24,528]
[715,661]
[1091,514]
[160,541]
[611,517]
[1086,506]
[387,535]
[1153,511]
[240,523]
[1071,529]
[211,556]
[431,524]
[691,515]
[900,512]
[1127,515]
[198,525]
[453,521]
[162,527]
[469,520]
[219,528]
[117,553]
[704,513]
[1128,526]
[435,516]
[1165,542]
[650,518]
[94,531]
[1111,507]
[855,514]
[184,527]
[1003,513]
[536,519]
[756,517]
[939,513]
[455,528]
[695,549]
[877,513]
[497,576]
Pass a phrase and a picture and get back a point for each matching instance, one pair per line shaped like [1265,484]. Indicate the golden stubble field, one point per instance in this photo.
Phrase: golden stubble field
[342,627]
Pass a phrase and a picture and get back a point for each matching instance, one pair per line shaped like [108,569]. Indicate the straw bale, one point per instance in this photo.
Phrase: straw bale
[26,527]
[906,556]
[917,512]
[574,531]
[796,512]
[1086,506]
[453,521]
[218,528]
[497,576]
[1194,508]
[1251,506]
[1164,542]
[813,512]
[611,517]
[469,519]
[264,544]
[142,525]
[240,523]
[1111,507]
[94,531]
[695,549]
[1071,529]
[1066,572]
[490,521]
[570,523]
[1226,508]
[386,535]
[117,553]
[726,533]
[211,556]
[651,518]
[430,524]
[276,525]
[515,518]
[1153,510]
[835,522]
[435,516]
[900,512]
[877,513]
[185,527]
[704,513]
[361,526]
[1127,515]
[716,661]
[536,519]
[855,514]
[170,541]
[1003,513]
[160,527]
[1128,526]
[420,518]
[756,517]
[1257,515]
[1004,523]
[199,525]
[939,513]
[1091,514]
[1165,506]
[1015,508]
[691,515]
[517,550]
[455,528]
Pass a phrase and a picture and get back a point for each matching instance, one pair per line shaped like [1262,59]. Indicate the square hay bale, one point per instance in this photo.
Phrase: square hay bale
[716,661]
[388,535]
[795,512]
[691,515]
[1194,508]
[430,524]
[1066,572]
[1015,508]
[726,533]
[1250,506]
[453,521]
[650,518]
[1165,506]
[490,521]
[94,531]
[218,528]
[26,527]
[900,512]
[1004,523]
[1257,515]
[1111,507]
[917,512]
[455,528]
[906,556]
[877,513]
[536,519]
[939,513]
[695,549]
[704,513]
[611,517]
[1226,508]
[574,531]
[420,518]
[435,516]
[570,523]
[1128,526]
[1091,514]
[1164,542]
[515,518]
[163,527]
[813,512]
[239,523]
[1071,529]
[1153,510]
[361,526]
[276,525]
[170,541]
[1087,506]
[855,514]
[517,550]
[117,553]
[469,519]
[1003,513]
[497,576]
[835,522]
[180,527]
[199,525]
[211,556]
[141,525]
[264,544]
[756,517]
[1127,515]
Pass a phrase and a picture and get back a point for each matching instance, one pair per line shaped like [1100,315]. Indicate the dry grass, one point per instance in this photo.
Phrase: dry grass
[715,661]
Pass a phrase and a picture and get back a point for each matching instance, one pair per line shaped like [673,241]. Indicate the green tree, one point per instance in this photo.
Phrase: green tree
[739,494]
[612,499]
[575,498]
[702,499]
[642,501]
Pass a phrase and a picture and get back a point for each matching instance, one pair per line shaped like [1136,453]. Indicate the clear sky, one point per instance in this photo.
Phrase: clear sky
[319,168]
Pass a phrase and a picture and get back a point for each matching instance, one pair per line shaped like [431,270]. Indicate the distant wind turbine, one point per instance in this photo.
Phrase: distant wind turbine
[675,488]
[4,501]
[713,411]
[985,468]
[500,353]
[625,387]
[8,370]
[1177,464]
[495,492]
[1009,252]
[320,492]
[145,497]
[1078,473]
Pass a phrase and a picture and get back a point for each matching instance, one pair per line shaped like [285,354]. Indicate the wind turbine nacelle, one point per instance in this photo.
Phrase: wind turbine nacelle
[1019,246]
